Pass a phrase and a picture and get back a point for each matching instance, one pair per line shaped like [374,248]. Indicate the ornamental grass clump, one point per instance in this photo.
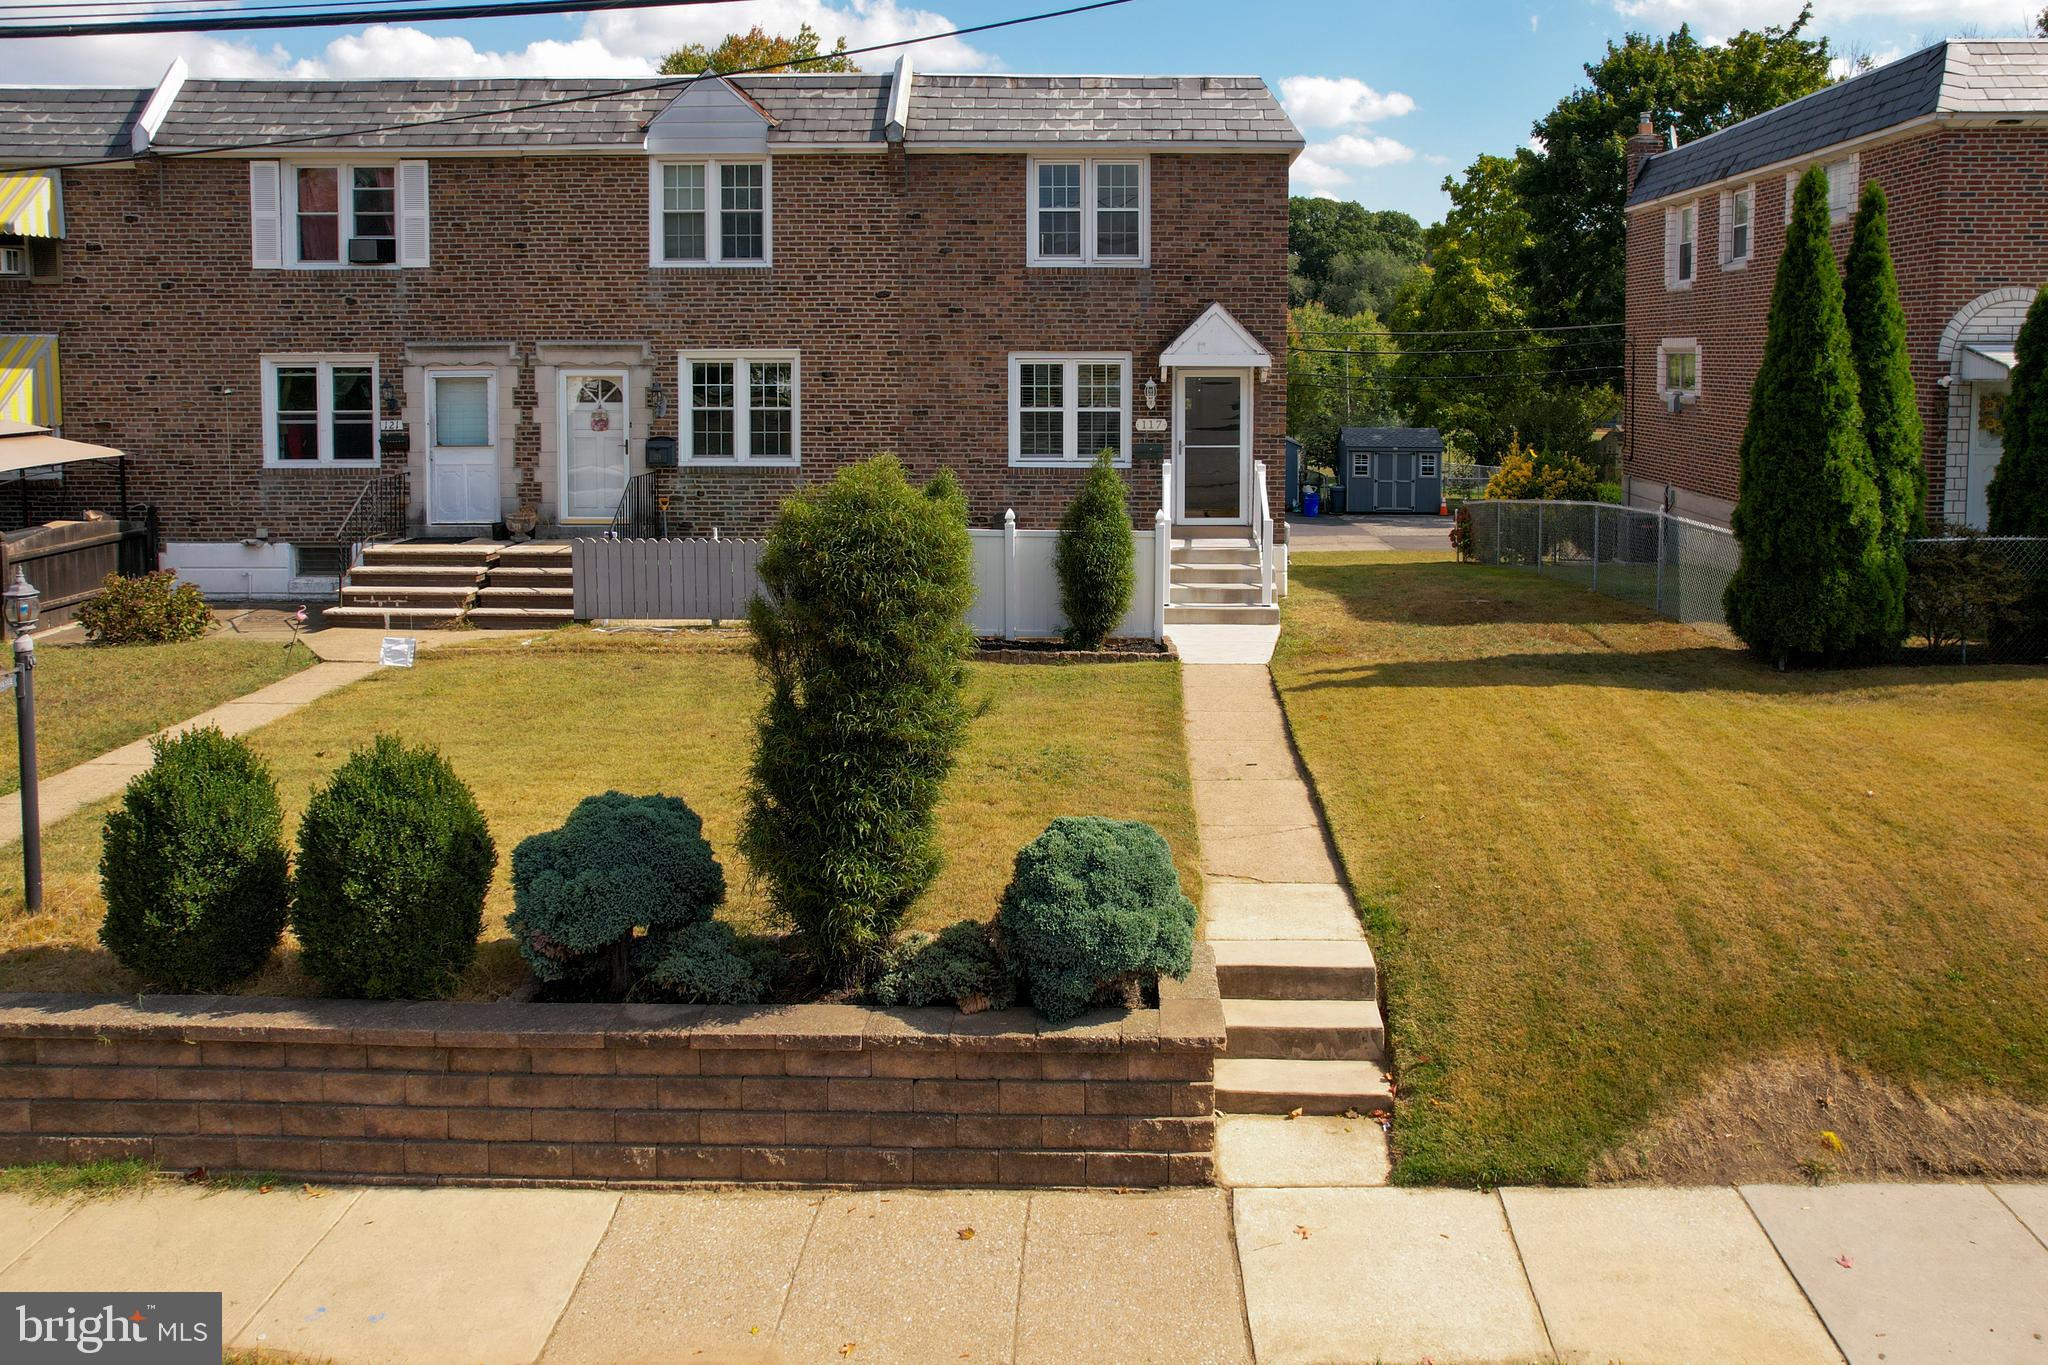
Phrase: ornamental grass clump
[1094,914]
[394,862]
[618,864]
[1094,558]
[193,865]
[861,634]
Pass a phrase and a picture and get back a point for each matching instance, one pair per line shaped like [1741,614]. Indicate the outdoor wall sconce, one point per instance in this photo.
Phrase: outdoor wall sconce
[657,398]
[1151,393]
[390,393]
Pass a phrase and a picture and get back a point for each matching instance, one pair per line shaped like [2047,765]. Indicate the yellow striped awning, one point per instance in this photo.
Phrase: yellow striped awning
[30,388]
[31,204]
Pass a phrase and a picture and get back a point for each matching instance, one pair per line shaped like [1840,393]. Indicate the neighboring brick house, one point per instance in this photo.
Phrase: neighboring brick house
[778,274]
[1958,136]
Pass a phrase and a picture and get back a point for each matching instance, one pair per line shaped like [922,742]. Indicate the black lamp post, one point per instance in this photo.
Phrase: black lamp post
[21,605]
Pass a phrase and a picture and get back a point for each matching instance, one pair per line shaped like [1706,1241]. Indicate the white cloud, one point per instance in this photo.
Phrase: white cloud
[1330,167]
[1339,101]
[1535,20]
[620,43]
[1850,63]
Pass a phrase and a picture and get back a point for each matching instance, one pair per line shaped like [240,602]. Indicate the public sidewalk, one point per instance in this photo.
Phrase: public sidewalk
[345,655]
[1902,1274]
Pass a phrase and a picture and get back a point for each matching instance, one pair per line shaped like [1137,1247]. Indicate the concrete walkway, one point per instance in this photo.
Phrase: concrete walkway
[1898,1274]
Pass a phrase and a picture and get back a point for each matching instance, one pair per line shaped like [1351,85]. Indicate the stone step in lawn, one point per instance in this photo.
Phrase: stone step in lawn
[1296,969]
[1304,1030]
[1249,1085]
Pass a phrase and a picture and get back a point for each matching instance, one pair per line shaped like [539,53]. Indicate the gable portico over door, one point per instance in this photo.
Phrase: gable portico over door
[1213,367]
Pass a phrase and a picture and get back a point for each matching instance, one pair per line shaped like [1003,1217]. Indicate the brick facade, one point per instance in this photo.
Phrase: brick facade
[1968,217]
[900,278]
[423,1093]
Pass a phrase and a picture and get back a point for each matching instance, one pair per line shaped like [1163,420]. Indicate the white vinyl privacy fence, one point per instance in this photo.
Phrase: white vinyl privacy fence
[1675,567]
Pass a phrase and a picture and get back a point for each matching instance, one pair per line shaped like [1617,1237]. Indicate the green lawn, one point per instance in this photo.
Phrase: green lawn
[92,698]
[535,727]
[1608,862]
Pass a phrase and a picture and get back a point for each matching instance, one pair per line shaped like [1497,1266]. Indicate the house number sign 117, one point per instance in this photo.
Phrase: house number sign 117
[1148,424]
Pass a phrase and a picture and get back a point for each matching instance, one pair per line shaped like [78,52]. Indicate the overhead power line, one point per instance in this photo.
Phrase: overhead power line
[1528,377]
[590,96]
[1543,348]
[1481,331]
[227,22]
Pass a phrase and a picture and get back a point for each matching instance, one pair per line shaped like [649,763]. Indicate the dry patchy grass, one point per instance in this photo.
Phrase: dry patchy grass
[1604,857]
[534,726]
[92,698]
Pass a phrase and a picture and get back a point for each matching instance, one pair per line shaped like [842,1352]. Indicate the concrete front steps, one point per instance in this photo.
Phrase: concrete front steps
[527,587]
[1215,580]
[411,585]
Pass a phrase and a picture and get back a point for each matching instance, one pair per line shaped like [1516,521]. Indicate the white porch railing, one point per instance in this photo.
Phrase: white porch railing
[1162,551]
[1262,533]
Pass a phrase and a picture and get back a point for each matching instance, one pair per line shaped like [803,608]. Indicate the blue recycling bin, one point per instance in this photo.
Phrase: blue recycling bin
[1311,502]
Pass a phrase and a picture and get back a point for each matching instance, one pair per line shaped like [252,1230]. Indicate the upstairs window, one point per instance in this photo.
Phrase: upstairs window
[1089,211]
[1843,188]
[319,410]
[1681,234]
[334,216]
[710,212]
[1738,212]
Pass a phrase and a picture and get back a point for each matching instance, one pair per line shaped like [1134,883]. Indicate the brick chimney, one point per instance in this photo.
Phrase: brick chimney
[1644,145]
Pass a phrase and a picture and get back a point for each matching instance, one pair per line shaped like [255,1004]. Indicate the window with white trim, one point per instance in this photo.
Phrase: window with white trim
[740,408]
[1681,242]
[319,410]
[1738,227]
[1843,188]
[1067,408]
[1678,369]
[710,212]
[342,215]
[1088,211]
[1427,467]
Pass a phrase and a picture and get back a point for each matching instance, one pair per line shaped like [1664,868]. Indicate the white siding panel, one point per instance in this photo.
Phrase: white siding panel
[710,118]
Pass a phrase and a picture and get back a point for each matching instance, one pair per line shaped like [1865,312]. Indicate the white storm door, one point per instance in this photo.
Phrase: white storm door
[596,421]
[1987,445]
[462,459]
[1210,423]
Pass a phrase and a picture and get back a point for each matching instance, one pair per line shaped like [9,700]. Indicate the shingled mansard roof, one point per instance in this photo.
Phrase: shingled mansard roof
[1960,79]
[802,111]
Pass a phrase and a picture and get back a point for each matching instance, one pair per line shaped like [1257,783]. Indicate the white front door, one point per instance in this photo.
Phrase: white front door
[596,420]
[1987,444]
[462,456]
[1212,435]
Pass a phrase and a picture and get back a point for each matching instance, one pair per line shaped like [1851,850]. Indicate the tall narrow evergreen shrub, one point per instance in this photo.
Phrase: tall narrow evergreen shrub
[1095,559]
[861,633]
[1891,412]
[2017,496]
[1812,583]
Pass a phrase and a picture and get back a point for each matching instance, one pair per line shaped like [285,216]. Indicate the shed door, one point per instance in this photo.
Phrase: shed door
[1394,481]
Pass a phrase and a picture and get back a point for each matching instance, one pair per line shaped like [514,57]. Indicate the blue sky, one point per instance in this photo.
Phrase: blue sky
[1392,96]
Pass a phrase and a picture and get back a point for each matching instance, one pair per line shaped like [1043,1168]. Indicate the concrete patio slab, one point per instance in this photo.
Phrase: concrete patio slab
[1131,1278]
[1307,1152]
[381,1285]
[1913,1272]
[1277,910]
[1197,644]
[1383,1275]
[1652,1276]
[1290,855]
[724,1261]
[237,1243]
[24,1222]
[892,1275]
[2029,1204]
[1239,761]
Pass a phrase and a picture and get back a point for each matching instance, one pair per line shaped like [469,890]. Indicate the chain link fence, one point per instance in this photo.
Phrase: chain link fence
[1970,598]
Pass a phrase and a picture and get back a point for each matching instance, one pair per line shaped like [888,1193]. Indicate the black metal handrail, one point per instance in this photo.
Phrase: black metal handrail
[378,513]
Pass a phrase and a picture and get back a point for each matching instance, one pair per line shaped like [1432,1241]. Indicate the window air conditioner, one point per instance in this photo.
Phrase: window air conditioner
[372,250]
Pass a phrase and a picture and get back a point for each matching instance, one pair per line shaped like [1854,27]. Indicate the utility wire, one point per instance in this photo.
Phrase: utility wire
[1338,380]
[1481,331]
[666,83]
[1545,348]
[489,9]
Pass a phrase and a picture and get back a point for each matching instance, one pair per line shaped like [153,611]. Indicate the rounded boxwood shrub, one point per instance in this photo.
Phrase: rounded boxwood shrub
[394,863]
[192,865]
[1093,913]
[150,609]
[1095,558]
[617,864]
[707,963]
[959,965]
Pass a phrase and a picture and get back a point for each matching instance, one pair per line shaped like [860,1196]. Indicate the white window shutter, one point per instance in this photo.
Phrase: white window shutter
[413,232]
[266,217]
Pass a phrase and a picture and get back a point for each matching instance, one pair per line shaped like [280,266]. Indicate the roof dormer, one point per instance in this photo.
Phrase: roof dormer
[710,116]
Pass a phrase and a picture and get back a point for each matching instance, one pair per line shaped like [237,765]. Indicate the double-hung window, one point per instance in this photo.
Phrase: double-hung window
[1842,188]
[741,408]
[1681,229]
[1089,211]
[1678,369]
[711,213]
[1738,226]
[1066,409]
[344,215]
[319,410]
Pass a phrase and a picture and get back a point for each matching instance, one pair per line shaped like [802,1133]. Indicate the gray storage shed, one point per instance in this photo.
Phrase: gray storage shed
[1391,469]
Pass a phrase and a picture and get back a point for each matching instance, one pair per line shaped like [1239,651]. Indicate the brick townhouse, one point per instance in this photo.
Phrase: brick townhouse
[508,298]
[1958,136]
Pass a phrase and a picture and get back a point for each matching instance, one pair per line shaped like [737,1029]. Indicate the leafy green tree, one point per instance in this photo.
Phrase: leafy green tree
[1891,412]
[1368,283]
[860,631]
[1320,232]
[1812,583]
[758,50]
[1575,186]
[2018,494]
[1487,214]
[1337,377]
